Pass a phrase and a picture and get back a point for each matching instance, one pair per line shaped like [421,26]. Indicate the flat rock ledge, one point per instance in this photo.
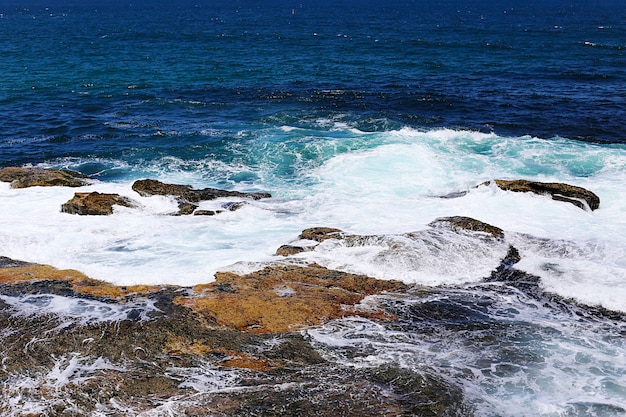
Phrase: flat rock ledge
[275,299]
[95,204]
[187,196]
[578,196]
[242,332]
[40,177]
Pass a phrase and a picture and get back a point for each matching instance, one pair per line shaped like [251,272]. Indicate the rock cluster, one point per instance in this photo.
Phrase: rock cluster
[309,238]
[247,330]
[238,325]
[187,196]
[95,203]
[242,333]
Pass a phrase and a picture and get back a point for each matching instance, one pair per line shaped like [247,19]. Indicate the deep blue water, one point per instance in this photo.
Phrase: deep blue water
[133,80]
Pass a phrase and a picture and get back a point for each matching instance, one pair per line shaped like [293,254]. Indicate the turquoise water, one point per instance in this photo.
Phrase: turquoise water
[105,79]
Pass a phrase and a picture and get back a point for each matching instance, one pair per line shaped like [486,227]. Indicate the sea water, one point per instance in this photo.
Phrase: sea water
[355,115]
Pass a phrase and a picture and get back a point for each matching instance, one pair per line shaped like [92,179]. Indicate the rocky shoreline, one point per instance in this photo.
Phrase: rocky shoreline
[112,349]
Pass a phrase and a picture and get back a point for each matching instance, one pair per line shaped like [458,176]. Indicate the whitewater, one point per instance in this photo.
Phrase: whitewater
[369,183]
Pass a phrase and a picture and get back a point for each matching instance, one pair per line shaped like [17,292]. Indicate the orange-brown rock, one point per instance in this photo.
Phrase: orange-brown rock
[14,272]
[578,196]
[283,298]
[40,177]
[95,203]
[177,353]
[241,360]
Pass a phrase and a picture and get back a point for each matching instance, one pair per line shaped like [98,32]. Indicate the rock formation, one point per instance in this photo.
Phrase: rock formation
[40,177]
[283,298]
[239,345]
[578,196]
[188,196]
[457,223]
[95,203]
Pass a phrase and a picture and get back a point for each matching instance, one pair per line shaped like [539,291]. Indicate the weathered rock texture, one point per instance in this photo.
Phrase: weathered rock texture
[138,364]
[457,223]
[39,177]
[319,234]
[13,272]
[284,298]
[578,196]
[187,196]
[95,203]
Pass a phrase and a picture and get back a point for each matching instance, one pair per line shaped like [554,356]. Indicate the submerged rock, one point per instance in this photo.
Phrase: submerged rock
[231,206]
[457,223]
[578,196]
[95,203]
[40,177]
[188,196]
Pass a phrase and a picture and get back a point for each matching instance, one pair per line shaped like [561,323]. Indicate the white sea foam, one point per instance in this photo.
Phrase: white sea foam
[519,359]
[22,393]
[364,183]
[83,310]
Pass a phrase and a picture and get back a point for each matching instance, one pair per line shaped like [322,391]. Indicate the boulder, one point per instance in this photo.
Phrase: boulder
[578,196]
[320,234]
[457,223]
[40,177]
[95,203]
[287,250]
[187,196]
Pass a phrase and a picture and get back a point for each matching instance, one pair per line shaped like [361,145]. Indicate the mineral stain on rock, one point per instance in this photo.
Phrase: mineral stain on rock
[310,296]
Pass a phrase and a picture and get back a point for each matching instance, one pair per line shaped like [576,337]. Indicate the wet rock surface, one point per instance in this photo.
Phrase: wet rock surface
[285,340]
[467,223]
[95,204]
[172,348]
[188,197]
[39,177]
[284,298]
[578,196]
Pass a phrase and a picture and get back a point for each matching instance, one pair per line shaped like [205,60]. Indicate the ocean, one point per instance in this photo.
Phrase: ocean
[355,115]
